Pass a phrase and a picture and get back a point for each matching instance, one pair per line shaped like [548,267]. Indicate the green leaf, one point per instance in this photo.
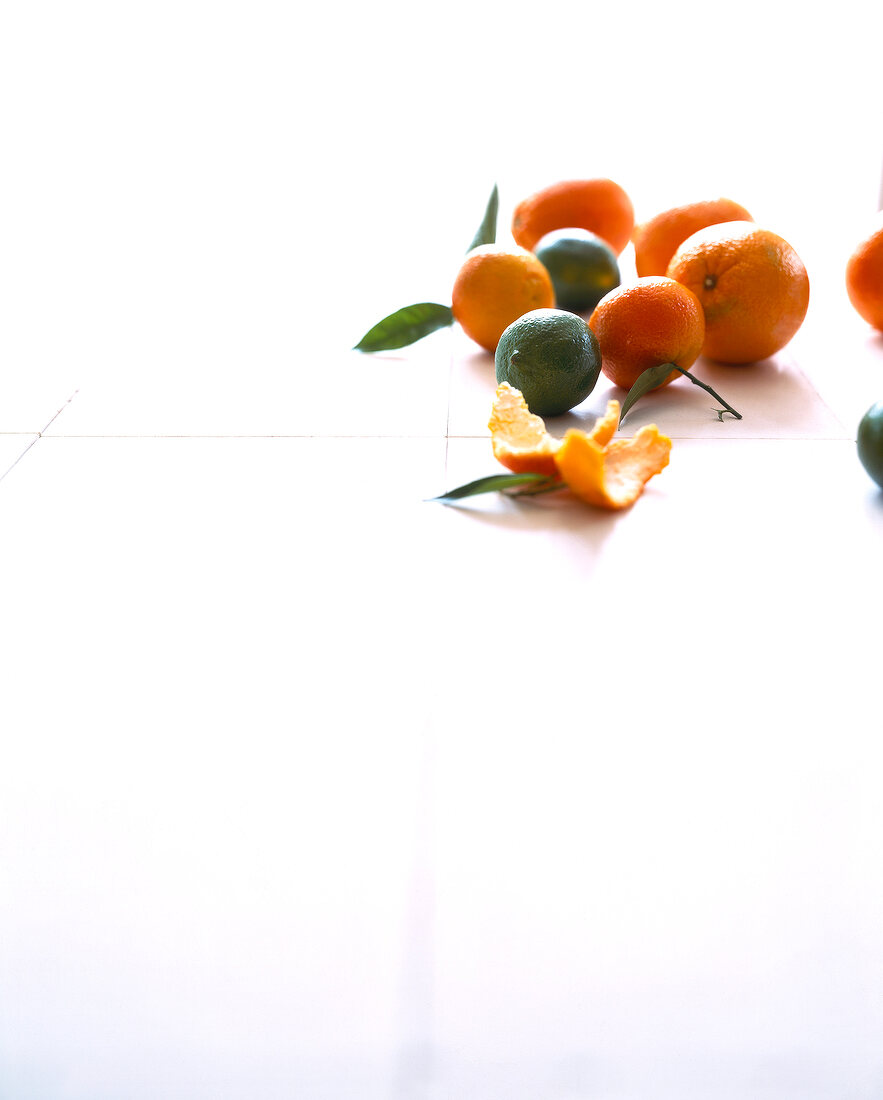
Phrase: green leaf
[499,483]
[645,382]
[487,231]
[405,326]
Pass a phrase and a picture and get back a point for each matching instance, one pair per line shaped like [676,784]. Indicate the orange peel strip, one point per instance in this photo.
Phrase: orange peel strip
[519,437]
[605,426]
[607,472]
[612,477]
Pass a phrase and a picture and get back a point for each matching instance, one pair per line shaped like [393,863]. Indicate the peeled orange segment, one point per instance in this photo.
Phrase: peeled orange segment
[519,437]
[613,476]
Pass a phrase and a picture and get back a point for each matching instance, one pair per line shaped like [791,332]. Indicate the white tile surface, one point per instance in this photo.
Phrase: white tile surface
[337,392]
[568,803]
[31,397]
[209,797]
[643,880]
[844,354]
[12,447]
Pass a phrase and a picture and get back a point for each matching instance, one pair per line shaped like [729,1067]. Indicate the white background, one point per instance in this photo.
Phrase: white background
[313,790]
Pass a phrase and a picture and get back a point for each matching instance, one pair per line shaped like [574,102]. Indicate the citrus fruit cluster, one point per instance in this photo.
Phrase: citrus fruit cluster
[552,308]
[709,281]
[541,268]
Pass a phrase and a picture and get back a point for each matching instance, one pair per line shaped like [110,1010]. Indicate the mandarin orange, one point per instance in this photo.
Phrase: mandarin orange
[598,205]
[644,324]
[494,287]
[864,276]
[657,239]
[752,285]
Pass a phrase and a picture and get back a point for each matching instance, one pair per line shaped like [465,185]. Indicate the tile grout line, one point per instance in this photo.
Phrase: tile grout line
[57,414]
[9,469]
[39,435]
[227,435]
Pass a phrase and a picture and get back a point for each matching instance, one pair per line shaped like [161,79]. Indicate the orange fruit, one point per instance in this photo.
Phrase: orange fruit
[644,324]
[606,472]
[657,239]
[864,276]
[494,287]
[598,205]
[752,285]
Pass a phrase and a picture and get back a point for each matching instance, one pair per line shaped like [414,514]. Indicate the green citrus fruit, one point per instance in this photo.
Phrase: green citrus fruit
[552,356]
[582,268]
[870,442]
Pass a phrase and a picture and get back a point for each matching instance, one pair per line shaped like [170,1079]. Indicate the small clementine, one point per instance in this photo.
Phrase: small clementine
[494,287]
[644,324]
[598,205]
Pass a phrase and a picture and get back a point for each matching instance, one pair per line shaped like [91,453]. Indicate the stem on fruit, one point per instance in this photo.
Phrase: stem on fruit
[727,408]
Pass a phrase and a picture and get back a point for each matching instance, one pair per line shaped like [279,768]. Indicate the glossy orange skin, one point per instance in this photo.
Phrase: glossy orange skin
[657,239]
[645,324]
[598,205]
[753,287]
[864,277]
[495,286]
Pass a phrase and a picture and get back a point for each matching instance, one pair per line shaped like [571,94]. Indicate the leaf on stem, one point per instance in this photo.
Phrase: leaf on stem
[487,231]
[530,483]
[654,375]
[645,382]
[405,326]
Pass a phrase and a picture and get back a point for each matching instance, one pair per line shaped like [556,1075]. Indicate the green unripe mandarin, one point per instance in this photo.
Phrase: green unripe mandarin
[869,442]
[582,267]
[552,357]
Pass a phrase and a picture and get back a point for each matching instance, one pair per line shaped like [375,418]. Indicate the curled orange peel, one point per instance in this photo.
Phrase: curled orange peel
[612,477]
[604,428]
[519,437]
[600,470]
